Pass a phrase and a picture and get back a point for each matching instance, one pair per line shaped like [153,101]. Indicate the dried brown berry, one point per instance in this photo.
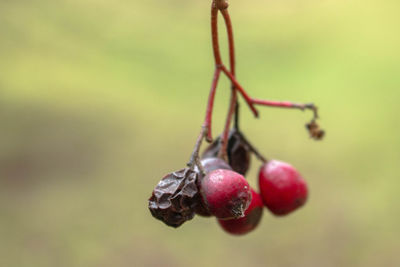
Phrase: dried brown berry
[315,131]
[238,151]
[175,197]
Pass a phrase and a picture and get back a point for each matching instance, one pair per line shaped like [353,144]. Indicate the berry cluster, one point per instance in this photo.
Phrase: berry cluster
[214,184]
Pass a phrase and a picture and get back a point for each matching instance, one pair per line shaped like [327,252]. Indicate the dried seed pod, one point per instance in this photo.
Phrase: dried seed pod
[238,151]
[175,197]
[315,131]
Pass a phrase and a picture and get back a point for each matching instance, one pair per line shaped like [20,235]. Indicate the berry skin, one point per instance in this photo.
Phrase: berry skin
[252,217]
[282,188]
[201,209]
[175,197]
[238,153]
[209,165]
[226,194]
[212,164]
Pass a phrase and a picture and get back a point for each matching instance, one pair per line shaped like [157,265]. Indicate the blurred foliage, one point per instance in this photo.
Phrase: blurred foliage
[99,99]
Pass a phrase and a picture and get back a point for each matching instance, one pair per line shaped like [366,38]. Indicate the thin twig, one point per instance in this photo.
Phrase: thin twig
[286,104]
[210,105]
[194,158]
[233,101]
[240,89]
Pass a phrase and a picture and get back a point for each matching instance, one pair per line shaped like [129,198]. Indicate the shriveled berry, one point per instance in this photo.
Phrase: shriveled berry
[209,164]
[282,188]
[226,194]
[201,209]
[238,153]
[251,219]
[237,150]
[175,197]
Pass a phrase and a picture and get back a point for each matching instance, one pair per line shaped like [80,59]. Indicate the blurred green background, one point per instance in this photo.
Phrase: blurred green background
[100,99]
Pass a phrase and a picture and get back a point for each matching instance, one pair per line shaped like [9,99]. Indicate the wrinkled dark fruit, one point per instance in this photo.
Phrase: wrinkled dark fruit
[175,197]
[282,188]
[201,209]
[238,153]
[226,194]
[209,165]
[251,219]
[237,150]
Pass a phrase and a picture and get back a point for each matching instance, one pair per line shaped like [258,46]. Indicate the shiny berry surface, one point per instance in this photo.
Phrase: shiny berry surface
[225,193]
[251,219]
[212,164]
[282,188]
[209,165]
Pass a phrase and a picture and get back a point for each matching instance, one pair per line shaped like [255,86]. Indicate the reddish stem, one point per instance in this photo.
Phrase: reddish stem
[214,34]
[221,67]
[210,105]
[232,60]
[229,29]
[240,89]
[286,104]
[218,62]
[222,5]
[233,101]
[224,140]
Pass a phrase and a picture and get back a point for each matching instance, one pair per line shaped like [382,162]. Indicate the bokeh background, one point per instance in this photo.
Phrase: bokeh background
[100,99]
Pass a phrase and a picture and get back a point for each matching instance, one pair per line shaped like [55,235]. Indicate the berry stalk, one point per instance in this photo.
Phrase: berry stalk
[220,5]
[206,132]
[240,89]
[286,104]
[233,101]
[252,148]
[210,105]
[194,158]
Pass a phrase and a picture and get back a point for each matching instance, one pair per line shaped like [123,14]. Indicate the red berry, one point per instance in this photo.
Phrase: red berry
[252,216]
[282,188]
[226,194]
[209,164]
